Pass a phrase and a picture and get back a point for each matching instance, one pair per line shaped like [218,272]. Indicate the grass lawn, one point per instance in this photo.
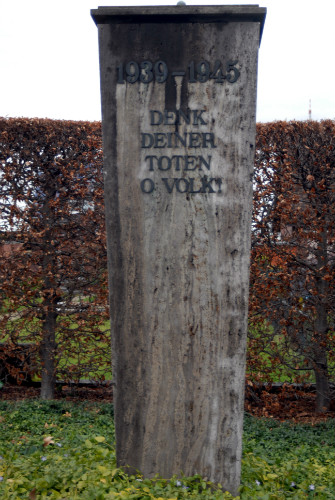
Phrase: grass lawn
[62,450]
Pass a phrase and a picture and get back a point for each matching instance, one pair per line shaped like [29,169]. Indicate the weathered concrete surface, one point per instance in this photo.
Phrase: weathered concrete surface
[179,261]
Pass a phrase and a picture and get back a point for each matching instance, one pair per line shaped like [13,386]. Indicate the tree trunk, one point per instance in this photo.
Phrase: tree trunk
[321,330]
[47,354]
[322,387]
[48,343]
[320,360]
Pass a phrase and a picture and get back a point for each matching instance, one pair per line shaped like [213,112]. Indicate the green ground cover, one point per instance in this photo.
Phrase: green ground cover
[62,450]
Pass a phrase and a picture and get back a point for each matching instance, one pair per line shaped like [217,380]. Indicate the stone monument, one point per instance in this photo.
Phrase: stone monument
[178,87]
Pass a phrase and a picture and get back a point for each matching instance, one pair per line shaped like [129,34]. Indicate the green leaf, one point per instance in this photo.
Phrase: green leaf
[100,439]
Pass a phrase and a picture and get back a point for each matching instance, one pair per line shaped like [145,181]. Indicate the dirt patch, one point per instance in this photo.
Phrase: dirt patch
[286,403]
[69,393]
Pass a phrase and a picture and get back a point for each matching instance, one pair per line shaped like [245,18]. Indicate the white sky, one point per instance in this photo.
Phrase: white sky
[49,58]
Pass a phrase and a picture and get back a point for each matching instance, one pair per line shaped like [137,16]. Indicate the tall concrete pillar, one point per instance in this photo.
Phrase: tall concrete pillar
[178,87]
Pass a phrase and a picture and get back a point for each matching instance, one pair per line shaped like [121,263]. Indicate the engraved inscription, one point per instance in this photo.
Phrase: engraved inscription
[202,71]
[191,141]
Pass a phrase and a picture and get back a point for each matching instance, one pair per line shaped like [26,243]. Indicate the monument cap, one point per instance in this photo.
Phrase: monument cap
[181,14]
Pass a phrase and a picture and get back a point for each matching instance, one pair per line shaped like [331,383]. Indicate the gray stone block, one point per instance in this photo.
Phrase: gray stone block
[178,87]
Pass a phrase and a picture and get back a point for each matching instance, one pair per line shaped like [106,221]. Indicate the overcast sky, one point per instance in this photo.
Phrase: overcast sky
[49,58]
